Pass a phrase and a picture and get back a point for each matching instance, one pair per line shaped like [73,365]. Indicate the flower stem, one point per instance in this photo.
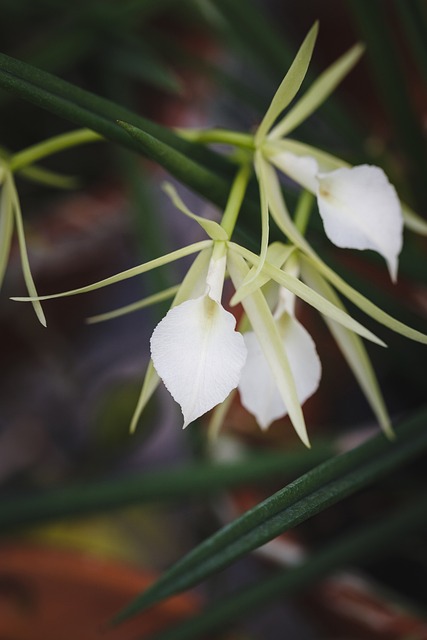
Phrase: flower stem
[235,199]
[220,136]
[52,145]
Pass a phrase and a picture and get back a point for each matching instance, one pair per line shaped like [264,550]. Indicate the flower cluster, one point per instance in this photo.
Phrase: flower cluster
[271,359]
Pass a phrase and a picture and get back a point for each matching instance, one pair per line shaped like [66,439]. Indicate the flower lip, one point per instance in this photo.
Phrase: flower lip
[196,350]
[360,210]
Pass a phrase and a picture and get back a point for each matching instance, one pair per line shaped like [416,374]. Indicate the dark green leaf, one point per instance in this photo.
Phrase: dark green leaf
[94,112]
[191,173]
[371,541]
[315,491]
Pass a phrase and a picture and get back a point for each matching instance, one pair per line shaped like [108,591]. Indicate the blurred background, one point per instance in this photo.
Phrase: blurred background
[68,392]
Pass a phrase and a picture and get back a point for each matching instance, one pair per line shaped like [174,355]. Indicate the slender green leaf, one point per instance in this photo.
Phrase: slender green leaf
[370,541]
[310,494]
[94,112]
[189,171]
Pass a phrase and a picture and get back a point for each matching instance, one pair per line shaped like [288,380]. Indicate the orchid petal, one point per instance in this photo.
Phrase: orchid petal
[270,183]
[193,285]
[352,348]
[6,228]
[326,161]
[308,295]
[365,304]
[129,273]
[198,355]
[290,84]
[258,390]
[319,91]
[212,228]
[302,169]
[26,270]
[360,210]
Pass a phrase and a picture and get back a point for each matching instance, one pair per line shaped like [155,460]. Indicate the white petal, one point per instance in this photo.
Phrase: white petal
[258,390]
[302,169]
[198,355]
[360,210]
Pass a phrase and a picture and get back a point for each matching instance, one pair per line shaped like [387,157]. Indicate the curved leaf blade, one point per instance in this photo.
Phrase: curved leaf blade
[308,495]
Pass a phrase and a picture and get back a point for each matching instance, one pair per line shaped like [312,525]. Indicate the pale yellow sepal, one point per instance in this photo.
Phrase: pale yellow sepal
[212,228]
[319,91]
[352,348]
[290,84]
[129,273]
[267,333]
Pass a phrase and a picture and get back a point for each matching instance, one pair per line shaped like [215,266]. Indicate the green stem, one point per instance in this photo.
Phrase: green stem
[235,199]
[220,136]
[52,145]
[303,211]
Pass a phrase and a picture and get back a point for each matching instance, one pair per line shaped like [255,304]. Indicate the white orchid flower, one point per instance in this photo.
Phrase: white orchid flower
[195,349]
[358,206]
